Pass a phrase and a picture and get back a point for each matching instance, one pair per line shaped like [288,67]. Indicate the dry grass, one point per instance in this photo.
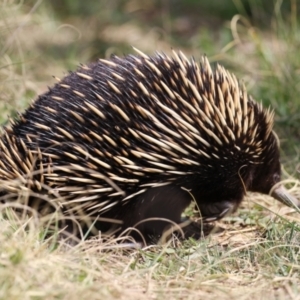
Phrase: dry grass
[253,254]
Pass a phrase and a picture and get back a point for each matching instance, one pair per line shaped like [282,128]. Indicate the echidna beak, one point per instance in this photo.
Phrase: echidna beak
[281,194]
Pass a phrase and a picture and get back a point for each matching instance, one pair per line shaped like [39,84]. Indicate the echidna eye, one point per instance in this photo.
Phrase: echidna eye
[276,177]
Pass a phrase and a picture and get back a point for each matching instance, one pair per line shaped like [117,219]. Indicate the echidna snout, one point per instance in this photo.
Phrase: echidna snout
[266,180]
[126,140]
[281,194]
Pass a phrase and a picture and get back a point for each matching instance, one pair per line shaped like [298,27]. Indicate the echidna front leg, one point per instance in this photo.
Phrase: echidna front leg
[156,210]
[214,205]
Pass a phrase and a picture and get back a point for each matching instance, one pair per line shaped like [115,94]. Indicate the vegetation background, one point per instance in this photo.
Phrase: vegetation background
[256,254]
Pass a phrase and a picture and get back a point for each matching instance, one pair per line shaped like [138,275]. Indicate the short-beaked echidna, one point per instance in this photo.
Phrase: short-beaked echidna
[129,139]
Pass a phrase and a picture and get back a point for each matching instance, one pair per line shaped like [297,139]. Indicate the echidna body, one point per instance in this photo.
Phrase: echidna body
[127,139]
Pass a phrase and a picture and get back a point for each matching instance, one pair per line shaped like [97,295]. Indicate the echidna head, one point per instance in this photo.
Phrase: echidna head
[267,176]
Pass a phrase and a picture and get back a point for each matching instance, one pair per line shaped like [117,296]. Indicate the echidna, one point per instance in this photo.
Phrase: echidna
[128,139]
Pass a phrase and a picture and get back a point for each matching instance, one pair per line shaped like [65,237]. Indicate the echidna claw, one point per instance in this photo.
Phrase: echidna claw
[212,219]
[217,217]
[224,212]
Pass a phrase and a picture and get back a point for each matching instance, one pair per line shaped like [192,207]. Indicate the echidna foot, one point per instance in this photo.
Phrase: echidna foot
[216,211]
